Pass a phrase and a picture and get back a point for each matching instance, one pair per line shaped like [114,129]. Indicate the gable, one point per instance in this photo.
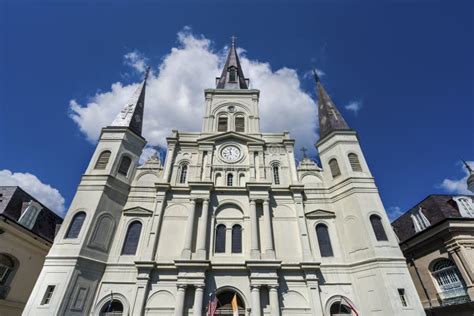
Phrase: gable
[231,136]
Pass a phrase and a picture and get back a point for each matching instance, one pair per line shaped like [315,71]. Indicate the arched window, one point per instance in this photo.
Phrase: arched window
[276,173]
[449,281]
[29,216]
[112,308]
[240,124]
[237,239]
[230,179]
[124,165]
[220,238]
[7,266]
[222,124]
[183,173]
[76,225]
[132,238]
[232,75]
[339,308]
[354,161]
[324,241]
[334,166]
[103,160]
[377,226]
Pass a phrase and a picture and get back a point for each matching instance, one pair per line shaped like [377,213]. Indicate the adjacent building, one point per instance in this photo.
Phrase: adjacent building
[230,213]
[437,239]
[27,230]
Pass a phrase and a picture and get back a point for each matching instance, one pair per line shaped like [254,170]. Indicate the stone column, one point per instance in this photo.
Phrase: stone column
[261,165]
[188,238]
[179,307]
[253,172]
[202,231]
[303,229]
[254,252]
[274,303]
[255,300]
[198,296]
[168,163]
[269,251]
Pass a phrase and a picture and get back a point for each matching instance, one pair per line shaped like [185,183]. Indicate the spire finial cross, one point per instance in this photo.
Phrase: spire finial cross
[304,150]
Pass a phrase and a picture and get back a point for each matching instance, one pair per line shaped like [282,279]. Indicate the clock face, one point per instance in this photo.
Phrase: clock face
[230,153]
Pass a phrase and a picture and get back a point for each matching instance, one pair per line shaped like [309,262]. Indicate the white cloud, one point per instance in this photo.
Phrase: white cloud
[175,98]
[44,193]
[354,106]
[135,60]
[457,186]
[146,154]
[394,212]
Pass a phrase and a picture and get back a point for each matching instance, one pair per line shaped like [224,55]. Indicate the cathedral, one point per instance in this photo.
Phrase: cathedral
[228,223]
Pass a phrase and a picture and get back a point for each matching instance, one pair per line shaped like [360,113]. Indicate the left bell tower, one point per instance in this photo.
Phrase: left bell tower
[76,262]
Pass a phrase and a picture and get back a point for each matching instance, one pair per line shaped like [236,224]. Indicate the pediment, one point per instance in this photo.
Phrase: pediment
[137,211]
[231,135]
[320,214]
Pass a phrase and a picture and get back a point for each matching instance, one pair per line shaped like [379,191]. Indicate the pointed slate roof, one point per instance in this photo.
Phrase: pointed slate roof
[132,113]
[232,62]
[330,119]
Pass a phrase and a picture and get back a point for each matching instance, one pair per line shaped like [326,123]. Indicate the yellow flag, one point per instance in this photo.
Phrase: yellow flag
[235,307]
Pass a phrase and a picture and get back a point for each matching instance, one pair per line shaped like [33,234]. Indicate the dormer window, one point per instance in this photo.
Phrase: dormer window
[232,75]
[465,205]
[419,220]
[28,218]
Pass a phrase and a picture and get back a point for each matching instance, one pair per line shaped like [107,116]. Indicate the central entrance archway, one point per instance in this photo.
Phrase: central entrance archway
[224,303]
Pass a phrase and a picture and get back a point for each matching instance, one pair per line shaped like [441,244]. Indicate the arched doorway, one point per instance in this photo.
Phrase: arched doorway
[112,308]
[224,303]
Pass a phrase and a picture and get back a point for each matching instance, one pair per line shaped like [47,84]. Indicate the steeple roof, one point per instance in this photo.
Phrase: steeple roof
[330,119]
[131,115]
[232,76]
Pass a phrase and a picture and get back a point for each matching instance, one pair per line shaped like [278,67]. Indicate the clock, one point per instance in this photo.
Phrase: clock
[230,153]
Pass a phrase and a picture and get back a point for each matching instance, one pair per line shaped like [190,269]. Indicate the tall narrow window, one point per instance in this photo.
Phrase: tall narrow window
[403,299]
[276,174]
[222,124]
[103,160]
[324,241]
[220,239]
[76,225]
[183,173]
[230,179]
[334,166]
[132,238]
[124,165]
[48,295]
[236,239]
[240,124]
[28,218]
[377,226]
[354,161]
[232,75]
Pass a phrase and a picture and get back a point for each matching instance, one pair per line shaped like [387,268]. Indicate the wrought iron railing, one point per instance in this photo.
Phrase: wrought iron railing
[454,296]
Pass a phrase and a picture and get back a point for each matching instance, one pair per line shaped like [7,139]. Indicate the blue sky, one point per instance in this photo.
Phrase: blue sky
[405,68]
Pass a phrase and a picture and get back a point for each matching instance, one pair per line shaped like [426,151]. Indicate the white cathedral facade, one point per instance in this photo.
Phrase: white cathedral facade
[228,212]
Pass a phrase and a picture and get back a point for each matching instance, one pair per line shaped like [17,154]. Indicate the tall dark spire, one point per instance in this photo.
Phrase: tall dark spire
[132,113]
[232,76]
[330,119]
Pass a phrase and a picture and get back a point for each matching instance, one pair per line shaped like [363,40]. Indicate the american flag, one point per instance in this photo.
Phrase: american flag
[212,304]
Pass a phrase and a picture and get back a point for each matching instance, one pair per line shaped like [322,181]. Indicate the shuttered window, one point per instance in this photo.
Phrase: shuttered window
[334,166]
[276,174]
[132,238]
[76,225]
[232,75]
[222,124]
[230,179]
[220,239]
[354,161]
[183,173]
[377,226]
[103,160]
[324,241]
[124,165]
[240,124]
[237,239]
